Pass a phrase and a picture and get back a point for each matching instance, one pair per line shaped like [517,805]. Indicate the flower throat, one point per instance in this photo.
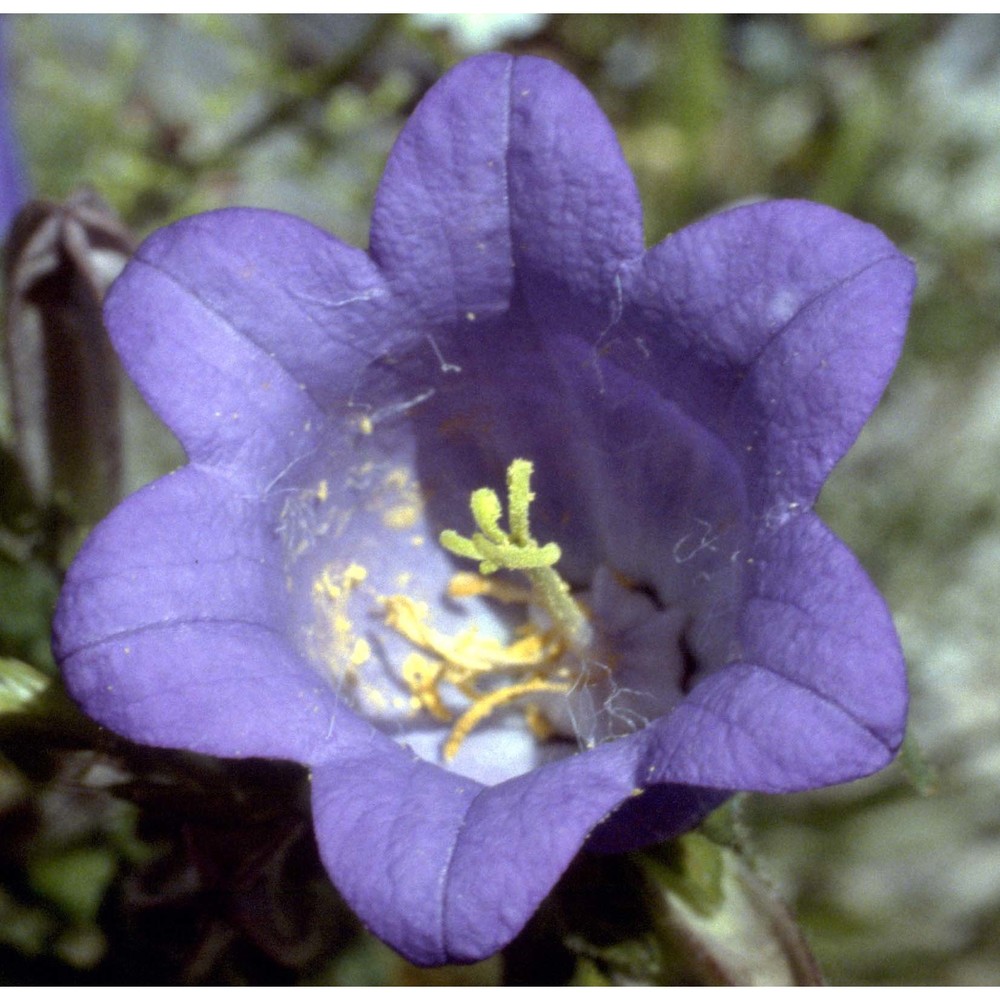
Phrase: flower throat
[531,664]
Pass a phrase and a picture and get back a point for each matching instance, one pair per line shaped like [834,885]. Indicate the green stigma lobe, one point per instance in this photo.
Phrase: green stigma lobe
[496,549]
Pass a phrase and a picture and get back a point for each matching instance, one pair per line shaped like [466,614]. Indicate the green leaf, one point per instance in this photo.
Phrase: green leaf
[690,868]
[75,881]
[20,685]
[27,598]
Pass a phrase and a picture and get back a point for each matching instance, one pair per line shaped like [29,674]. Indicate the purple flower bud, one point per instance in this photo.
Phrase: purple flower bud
[64,379]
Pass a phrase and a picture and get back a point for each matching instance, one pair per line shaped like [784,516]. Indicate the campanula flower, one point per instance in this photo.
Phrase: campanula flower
[504,527]
[13,183]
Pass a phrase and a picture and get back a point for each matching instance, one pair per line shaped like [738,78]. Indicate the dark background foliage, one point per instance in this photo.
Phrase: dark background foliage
[126,865]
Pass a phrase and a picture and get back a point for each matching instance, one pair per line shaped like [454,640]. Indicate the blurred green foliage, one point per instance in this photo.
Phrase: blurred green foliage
[893,118]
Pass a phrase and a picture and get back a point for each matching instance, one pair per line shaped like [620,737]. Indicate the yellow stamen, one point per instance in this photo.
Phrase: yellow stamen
[469,661]
[489,703]
[474,585]
[467,653]
[422,676]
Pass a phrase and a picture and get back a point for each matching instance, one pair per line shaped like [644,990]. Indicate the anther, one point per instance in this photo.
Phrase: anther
[489,703]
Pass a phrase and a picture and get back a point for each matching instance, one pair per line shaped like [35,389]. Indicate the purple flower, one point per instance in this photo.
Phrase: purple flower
[13,185]
[286,594]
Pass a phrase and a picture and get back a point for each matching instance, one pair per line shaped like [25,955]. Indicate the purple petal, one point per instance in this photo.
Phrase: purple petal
[386,824]
[575,211]
[171,627]
[518,839]
[13,183]
[441,226]
[820,695]
[284,313]
[778,324]
[507,170]
[815,618]
[460,868]
[659,813]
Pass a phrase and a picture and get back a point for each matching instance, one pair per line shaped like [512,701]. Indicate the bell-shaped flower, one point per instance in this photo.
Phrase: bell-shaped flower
[504,527]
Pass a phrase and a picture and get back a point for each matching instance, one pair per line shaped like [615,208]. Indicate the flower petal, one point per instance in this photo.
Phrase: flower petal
[243,328]
[777,324]
[170,627]
[659,813]
[815,618]
[460,868]
[386,824]
[507,169]
[575,211]
[13,184]
[441,226]
[798,712]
